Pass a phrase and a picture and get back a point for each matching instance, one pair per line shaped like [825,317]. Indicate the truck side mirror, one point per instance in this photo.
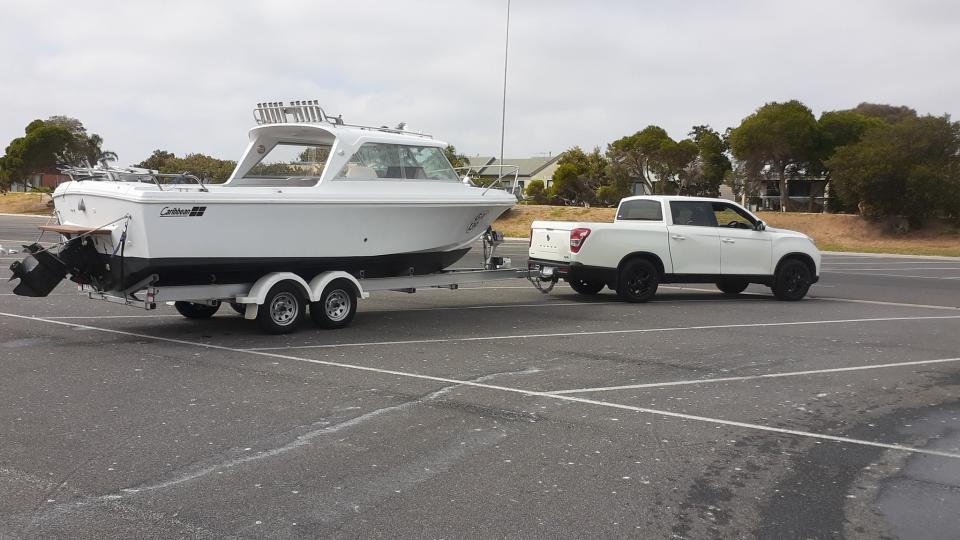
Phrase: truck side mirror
[760,226]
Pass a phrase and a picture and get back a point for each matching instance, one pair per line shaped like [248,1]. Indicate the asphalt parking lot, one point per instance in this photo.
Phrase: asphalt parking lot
[493,411]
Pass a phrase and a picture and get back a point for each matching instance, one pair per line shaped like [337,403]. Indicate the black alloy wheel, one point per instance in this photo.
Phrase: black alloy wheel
[638,281]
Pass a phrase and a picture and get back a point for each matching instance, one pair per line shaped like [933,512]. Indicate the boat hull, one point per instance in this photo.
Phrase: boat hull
[232,236]
[120,273]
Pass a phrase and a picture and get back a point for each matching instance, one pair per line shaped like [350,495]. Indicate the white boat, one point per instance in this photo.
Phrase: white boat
[310,194]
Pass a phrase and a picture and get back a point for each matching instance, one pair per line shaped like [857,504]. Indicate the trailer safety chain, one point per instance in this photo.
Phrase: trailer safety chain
[538,282]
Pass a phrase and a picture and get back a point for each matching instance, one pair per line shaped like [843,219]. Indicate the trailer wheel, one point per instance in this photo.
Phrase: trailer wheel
[282,308]
[337,305]
[193,310]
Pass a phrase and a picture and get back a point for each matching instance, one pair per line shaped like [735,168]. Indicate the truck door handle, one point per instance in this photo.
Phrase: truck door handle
[728,241]
[678,237]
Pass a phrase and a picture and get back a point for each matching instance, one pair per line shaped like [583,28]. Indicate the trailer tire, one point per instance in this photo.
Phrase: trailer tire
[282,308]
[193,310]
[337,305]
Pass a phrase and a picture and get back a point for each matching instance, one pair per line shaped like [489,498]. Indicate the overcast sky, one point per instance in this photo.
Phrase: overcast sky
[184,75]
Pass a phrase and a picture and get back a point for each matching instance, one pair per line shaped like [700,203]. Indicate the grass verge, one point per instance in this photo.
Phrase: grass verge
[831,232]
[25,203]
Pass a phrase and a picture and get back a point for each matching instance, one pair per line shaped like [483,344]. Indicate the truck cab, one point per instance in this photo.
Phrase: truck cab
[660,239]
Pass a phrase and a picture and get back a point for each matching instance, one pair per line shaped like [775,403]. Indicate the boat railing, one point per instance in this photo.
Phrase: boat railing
[310,112]
[116,174]
[477,172]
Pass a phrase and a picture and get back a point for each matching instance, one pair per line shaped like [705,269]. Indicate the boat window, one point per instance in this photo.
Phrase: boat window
[291,161]
[373,161]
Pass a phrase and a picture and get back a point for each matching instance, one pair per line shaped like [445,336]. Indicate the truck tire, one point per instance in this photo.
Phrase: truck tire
[282,308]
[638,281]
[792,280]
[337,305]
[732,286]
[584,286]
[193,310]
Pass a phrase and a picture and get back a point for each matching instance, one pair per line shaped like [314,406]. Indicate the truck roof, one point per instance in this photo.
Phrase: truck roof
[673,198]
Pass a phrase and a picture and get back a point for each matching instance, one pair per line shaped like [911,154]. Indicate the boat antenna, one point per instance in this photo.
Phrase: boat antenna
[503,109]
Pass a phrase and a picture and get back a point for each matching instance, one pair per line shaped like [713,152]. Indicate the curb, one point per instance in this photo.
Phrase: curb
[27,215]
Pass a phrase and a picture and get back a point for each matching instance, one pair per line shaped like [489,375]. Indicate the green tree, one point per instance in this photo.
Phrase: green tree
[837,129]
[536,192]
[911,169]
[157,160]
[890,114]
[711,165]
[456,159]
[779,136]
[59,141]
[651,156]
[207,168]
[579,175]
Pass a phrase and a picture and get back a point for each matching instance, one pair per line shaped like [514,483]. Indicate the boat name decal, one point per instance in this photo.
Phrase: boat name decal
[196,211]
[476,221]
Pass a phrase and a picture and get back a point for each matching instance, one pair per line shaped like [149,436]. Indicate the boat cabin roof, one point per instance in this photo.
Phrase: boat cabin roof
[342,140]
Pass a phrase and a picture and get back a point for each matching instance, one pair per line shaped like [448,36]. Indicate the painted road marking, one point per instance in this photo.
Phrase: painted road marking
[886,275]
[752,377]
[531,393]
[600,332]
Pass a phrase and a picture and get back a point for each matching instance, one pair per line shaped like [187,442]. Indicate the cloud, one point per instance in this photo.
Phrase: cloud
[183,76]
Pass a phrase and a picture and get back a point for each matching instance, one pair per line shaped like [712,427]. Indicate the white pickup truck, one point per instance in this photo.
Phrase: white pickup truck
[658,239]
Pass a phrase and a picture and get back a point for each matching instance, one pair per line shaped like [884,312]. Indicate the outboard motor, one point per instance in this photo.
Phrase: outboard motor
[39,273]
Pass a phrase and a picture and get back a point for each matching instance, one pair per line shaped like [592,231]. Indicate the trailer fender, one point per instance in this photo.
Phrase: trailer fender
[320,282]
[258,293]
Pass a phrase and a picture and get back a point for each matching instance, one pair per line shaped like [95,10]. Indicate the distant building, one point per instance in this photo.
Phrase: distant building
[39,180]
[809,192]
[488,168]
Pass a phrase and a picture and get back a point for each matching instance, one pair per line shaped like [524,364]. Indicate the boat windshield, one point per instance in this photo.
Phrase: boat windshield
[375,161]
[289,161]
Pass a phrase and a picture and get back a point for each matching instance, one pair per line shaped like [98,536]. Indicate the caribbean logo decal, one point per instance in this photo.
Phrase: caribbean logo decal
[196,211]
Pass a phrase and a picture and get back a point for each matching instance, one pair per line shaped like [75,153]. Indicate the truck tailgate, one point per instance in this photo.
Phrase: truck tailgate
[550,240]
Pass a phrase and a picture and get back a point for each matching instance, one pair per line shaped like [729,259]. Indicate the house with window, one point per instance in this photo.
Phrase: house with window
[35,181]
[489,168]
[807,192]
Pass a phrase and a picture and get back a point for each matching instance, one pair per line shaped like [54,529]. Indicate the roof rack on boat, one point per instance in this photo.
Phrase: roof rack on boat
[310,112]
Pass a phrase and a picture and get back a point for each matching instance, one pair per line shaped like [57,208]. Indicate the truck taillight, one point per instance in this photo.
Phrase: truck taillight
[577,238]
[530,241]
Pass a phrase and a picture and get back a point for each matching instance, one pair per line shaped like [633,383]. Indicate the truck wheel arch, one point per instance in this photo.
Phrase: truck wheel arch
[652,257]
[803,257]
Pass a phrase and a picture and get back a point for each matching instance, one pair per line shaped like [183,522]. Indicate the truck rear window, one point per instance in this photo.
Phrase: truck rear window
[640,210]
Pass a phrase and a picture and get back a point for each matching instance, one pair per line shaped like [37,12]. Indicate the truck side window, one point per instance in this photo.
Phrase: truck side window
[730,216]
[696,213]
[640,210]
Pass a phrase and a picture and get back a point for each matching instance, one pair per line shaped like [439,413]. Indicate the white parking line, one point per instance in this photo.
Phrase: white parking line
[886,275]
[909,263]
[600,333]
[880,303]
[889,269]
[753,377]
[532,393]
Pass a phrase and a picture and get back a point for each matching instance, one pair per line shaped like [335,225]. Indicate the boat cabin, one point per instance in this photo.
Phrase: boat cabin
[298,145]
